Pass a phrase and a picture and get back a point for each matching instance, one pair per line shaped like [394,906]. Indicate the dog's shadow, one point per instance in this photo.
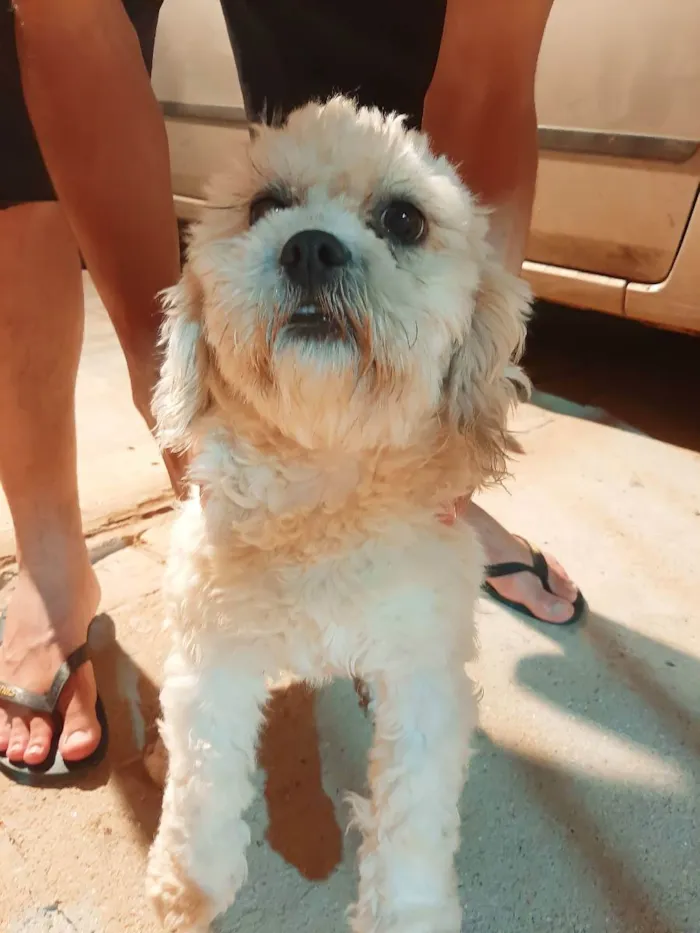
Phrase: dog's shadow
[312,752]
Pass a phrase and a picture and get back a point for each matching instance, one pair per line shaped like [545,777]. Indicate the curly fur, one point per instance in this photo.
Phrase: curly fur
[310,542]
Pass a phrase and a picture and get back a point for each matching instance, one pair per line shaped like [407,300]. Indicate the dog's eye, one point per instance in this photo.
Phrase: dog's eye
[264,205]
[403,222]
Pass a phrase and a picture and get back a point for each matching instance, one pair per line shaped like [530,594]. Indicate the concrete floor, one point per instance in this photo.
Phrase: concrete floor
[581,811]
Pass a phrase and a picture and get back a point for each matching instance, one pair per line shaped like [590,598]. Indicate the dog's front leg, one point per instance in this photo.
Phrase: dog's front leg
[411,822]
[212,713]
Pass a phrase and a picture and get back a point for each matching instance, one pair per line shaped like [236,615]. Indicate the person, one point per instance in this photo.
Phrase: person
[84,170]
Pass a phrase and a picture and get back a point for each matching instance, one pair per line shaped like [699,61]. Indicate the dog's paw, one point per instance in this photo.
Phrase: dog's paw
[442,918]
[155,760]
[180,904]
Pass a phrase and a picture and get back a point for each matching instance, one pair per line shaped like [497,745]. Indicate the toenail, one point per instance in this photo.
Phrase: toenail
[78,736]
[33,748]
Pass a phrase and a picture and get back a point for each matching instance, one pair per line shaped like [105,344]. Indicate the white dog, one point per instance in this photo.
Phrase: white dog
[336,361]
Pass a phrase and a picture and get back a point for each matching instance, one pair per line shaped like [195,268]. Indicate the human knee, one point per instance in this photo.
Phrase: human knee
[488,57]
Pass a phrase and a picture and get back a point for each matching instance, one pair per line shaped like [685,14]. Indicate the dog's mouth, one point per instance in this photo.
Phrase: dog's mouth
[325,323]
[311,322]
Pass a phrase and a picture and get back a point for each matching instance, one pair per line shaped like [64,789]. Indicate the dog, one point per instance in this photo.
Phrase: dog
[336,360]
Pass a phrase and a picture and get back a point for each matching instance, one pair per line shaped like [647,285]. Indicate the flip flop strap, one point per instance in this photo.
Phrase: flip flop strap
[507,569]
[46,702]
[538,567]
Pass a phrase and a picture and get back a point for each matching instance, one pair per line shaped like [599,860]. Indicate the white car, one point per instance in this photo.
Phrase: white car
[616,224]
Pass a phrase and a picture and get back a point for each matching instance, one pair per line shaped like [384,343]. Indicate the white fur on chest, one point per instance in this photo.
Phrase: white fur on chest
[409,589]
[251,487]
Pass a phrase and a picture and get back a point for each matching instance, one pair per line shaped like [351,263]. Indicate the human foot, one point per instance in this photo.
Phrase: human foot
[47,618]
[525,588]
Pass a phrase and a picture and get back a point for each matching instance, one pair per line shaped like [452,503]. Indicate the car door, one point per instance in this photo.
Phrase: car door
[618,94]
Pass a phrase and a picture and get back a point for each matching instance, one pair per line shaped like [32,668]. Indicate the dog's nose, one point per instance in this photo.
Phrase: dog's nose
[311,257]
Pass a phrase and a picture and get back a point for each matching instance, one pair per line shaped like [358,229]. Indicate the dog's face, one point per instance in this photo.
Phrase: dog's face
[340,284]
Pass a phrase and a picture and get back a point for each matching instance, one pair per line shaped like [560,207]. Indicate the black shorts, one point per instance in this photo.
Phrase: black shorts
[288,52]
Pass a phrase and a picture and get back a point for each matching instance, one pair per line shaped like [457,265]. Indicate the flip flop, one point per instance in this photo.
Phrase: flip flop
[540,569]
[53,770]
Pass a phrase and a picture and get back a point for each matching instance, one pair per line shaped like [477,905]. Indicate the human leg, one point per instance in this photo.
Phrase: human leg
[82,67]
[56,595]
[480,111]
[118,202]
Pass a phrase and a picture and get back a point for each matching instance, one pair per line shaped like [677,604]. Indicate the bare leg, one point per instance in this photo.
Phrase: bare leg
[480,111]
[41,322]
[104,142]
[410,825]
[212,717]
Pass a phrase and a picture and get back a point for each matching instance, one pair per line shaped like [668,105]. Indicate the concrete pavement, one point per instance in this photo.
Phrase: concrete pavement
[581,811]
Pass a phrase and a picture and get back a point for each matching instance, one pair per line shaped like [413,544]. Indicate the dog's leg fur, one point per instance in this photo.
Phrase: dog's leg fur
[212,715]
[410,825]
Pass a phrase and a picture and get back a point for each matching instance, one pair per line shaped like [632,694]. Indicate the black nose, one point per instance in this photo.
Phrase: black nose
[311,257]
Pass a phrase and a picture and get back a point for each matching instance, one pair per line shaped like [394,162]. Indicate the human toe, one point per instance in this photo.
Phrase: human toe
[549,607]
[559,581]
[80,743]
[81,730]
[19,737]
[39,742]
[5,730]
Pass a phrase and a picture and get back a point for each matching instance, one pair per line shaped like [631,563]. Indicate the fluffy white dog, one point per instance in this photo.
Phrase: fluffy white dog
[336,361]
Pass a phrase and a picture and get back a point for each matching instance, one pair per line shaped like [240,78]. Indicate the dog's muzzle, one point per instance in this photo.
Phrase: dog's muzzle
[313,261]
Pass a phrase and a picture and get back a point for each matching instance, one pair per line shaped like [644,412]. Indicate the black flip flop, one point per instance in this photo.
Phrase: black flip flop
[53,770]
[540,569]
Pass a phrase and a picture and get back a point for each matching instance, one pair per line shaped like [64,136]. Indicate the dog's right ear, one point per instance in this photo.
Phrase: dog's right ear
[483,380]
[182,393]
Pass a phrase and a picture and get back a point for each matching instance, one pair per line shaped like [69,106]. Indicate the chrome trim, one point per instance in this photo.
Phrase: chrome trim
[616,145]
[210,114]
[551,138]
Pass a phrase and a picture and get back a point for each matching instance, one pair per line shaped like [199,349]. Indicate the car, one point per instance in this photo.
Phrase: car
[616,221]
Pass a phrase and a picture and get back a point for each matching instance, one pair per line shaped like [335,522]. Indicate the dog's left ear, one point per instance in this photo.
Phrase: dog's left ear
[182,393]
[484,380]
